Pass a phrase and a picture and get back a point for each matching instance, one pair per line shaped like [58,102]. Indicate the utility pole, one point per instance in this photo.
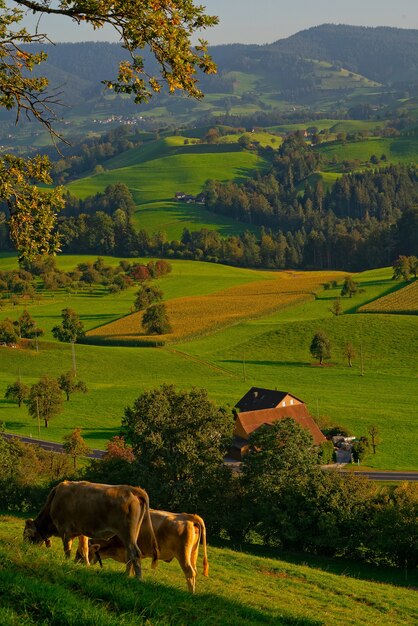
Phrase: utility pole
[73,356]
[37,413]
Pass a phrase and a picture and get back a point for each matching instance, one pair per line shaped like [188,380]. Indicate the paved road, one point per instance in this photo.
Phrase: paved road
[383,475]
[50,445]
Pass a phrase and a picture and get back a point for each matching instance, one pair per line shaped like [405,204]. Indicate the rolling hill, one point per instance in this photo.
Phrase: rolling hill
[269,349]
[156,171]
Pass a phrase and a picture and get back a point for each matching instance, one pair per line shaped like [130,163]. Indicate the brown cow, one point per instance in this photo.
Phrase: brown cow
[178,536]
[75,509]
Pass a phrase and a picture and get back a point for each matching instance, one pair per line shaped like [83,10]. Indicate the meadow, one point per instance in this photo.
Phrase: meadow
[156,171]
[269,349]
[397,149]
[243,588]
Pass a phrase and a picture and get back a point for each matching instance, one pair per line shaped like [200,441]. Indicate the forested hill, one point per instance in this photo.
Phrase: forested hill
[382,54]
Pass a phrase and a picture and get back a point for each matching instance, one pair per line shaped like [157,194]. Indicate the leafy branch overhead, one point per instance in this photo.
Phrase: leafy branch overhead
[164,27]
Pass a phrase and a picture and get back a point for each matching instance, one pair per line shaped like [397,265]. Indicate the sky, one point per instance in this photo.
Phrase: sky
[265,21]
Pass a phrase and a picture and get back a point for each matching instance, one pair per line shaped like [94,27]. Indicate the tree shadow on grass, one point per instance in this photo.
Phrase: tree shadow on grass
[100,433]
[331,564]
[267,363]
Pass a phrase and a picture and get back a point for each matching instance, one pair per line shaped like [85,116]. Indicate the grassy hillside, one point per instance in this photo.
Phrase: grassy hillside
[39,587]
[397,150]
[154,172]
[269,351]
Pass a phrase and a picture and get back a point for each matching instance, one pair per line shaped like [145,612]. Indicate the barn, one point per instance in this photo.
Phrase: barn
[264,406]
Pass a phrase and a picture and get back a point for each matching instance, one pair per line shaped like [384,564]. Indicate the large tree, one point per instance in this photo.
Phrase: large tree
[163,26]
[179,439]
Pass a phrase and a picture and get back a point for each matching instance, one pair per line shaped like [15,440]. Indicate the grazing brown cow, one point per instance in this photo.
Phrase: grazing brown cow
[83,509]
[178,536]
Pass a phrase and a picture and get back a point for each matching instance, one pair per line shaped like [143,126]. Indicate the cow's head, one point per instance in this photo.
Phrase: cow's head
[94,554]
[32,534]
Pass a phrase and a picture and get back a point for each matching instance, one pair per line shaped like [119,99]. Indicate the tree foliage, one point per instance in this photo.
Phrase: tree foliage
[320,347]
[179,439]
[17,392]
[71,328]
[45,400]
[75,446]
[155,320]
[68,383]
[146,295]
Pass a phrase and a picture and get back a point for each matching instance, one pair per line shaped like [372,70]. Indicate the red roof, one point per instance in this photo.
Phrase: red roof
[249,421]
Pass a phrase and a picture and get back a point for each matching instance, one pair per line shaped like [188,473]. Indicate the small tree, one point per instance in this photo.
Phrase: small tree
[68,384]
[17,392]
[71,328]
[401,268]
[374,434]
[336,308]
[75,446]
[155,320]
[45,400]
[349,353]
[8,332]
[320,347]
[146,295]
[349,287]
[360,449]
[26,326]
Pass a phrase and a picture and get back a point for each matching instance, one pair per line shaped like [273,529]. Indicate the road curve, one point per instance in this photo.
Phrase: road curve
[50,445]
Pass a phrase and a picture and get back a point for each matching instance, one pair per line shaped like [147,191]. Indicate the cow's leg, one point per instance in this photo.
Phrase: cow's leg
[67,542]
[133,554]
[83,549]
[189,572]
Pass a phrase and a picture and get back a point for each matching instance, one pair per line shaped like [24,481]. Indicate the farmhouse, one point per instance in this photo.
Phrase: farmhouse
[263,406]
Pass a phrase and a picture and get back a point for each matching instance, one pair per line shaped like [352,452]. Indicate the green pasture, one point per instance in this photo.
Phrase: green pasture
[397,150]
[243,588]
[156,171]
[334,126]
[270,352]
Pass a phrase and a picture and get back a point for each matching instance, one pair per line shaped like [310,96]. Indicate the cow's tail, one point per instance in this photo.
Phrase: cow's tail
[155,552]
[202,527]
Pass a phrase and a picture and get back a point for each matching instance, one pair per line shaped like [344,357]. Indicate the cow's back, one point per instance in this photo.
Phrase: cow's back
[92,509]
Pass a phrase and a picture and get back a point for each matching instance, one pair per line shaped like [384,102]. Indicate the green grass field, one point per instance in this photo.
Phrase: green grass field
[397,150]
[39,587]
[272,351]
[155,171]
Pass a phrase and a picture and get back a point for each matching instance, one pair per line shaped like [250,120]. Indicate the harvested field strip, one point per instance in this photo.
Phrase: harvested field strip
[402,301]
[195,316]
